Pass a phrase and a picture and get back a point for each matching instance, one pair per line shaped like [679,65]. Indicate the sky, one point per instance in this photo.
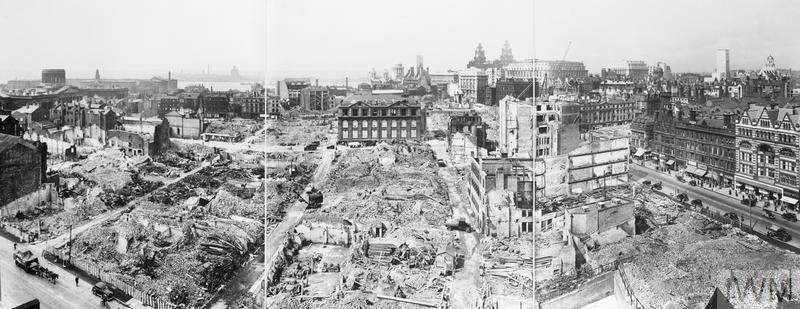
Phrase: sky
[330,39]
[683,33]
[131,38]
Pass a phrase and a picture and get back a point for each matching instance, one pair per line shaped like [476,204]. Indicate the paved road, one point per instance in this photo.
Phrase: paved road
[717,201]
[18,287]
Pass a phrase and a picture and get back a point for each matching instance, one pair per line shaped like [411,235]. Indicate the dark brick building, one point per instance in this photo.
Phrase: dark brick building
[216,104]
[23,165]
[10,125]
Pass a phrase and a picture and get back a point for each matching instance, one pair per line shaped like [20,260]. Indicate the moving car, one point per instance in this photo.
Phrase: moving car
[748,202]
[779,233]
[646,182]
[656,186]
[441,163]
[693,183]
[731,216]
[789,216]
[103,290]
[768,214]
[697,202]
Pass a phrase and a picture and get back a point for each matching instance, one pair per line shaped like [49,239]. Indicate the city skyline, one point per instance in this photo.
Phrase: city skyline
[132,39]
[684,34]
[370,35]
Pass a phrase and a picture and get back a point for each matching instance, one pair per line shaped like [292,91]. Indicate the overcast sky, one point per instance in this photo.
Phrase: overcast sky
[683,33]
[328,39]
[131,38]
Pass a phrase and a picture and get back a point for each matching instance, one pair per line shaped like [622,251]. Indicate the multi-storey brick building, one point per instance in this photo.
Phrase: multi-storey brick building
[767,140]
[607,113]
[373,118]
[273,106]
[23,166]
[699,140]
[216,104]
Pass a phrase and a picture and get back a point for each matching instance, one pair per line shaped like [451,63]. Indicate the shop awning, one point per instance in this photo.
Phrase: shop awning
[749,187]
[788,200]
[690,169]
[670,162]
[759,185]
[639,153]
[700,172]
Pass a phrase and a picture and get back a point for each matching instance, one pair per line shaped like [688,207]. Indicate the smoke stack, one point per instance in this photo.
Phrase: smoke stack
[316,82]
[346,82]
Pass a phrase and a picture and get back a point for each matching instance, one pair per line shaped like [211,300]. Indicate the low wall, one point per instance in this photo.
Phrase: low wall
[591,291]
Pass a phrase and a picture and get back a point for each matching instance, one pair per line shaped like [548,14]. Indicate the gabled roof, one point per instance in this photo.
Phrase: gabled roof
[8,141]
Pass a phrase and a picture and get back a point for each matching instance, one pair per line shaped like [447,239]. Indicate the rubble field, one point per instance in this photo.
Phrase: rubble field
[300,131]
[397,265]
[103,181]
[396,183]
[240,129]
[380,231]
[204,227]
[679,260]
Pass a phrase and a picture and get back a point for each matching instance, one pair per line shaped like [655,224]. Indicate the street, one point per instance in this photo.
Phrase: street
[716,201]
[18,287]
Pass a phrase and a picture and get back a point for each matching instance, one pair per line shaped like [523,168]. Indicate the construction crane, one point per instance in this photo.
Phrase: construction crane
[566,51]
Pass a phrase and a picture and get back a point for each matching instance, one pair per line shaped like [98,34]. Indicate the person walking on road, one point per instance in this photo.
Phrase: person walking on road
[15,246]
[76,280]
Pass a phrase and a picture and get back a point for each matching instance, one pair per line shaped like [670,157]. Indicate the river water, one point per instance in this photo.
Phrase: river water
[218,86]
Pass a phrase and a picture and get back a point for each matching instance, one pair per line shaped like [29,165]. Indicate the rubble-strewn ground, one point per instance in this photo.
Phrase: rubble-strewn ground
[103,181]
[186,240]
[677,263]
[240,129]
[391,187]
[287,175]
[300,131]
[396,183]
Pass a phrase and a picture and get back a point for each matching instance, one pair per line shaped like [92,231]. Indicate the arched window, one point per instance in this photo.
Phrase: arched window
[745,145]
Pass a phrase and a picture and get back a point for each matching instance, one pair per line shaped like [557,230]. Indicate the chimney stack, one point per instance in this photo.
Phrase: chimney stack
[316,82]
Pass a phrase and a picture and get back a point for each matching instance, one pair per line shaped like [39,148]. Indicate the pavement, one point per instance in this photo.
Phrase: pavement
[718,200]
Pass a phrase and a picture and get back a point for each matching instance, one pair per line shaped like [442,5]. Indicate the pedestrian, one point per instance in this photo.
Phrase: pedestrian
[76,280]
[15,246]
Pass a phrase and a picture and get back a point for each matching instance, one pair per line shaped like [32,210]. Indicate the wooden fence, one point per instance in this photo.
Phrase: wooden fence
[93,270]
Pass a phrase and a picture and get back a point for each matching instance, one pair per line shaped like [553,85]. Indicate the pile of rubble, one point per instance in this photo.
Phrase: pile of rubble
[677,264]
[300,131]
[397,183]
[239,129]
[204,231]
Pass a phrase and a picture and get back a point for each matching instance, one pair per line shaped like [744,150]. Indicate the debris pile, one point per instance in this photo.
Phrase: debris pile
[239,129]
[396,182]
[673,265]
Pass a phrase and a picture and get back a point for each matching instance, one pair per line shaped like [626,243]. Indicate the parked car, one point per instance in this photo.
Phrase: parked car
[748,202]
[441,163]
[779,233]
[769,215]
[681,197]
[693,183]
[680,178]
[647,182]
[789,216]
[656,186]
[697,202]
[103,290]
[731,216]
